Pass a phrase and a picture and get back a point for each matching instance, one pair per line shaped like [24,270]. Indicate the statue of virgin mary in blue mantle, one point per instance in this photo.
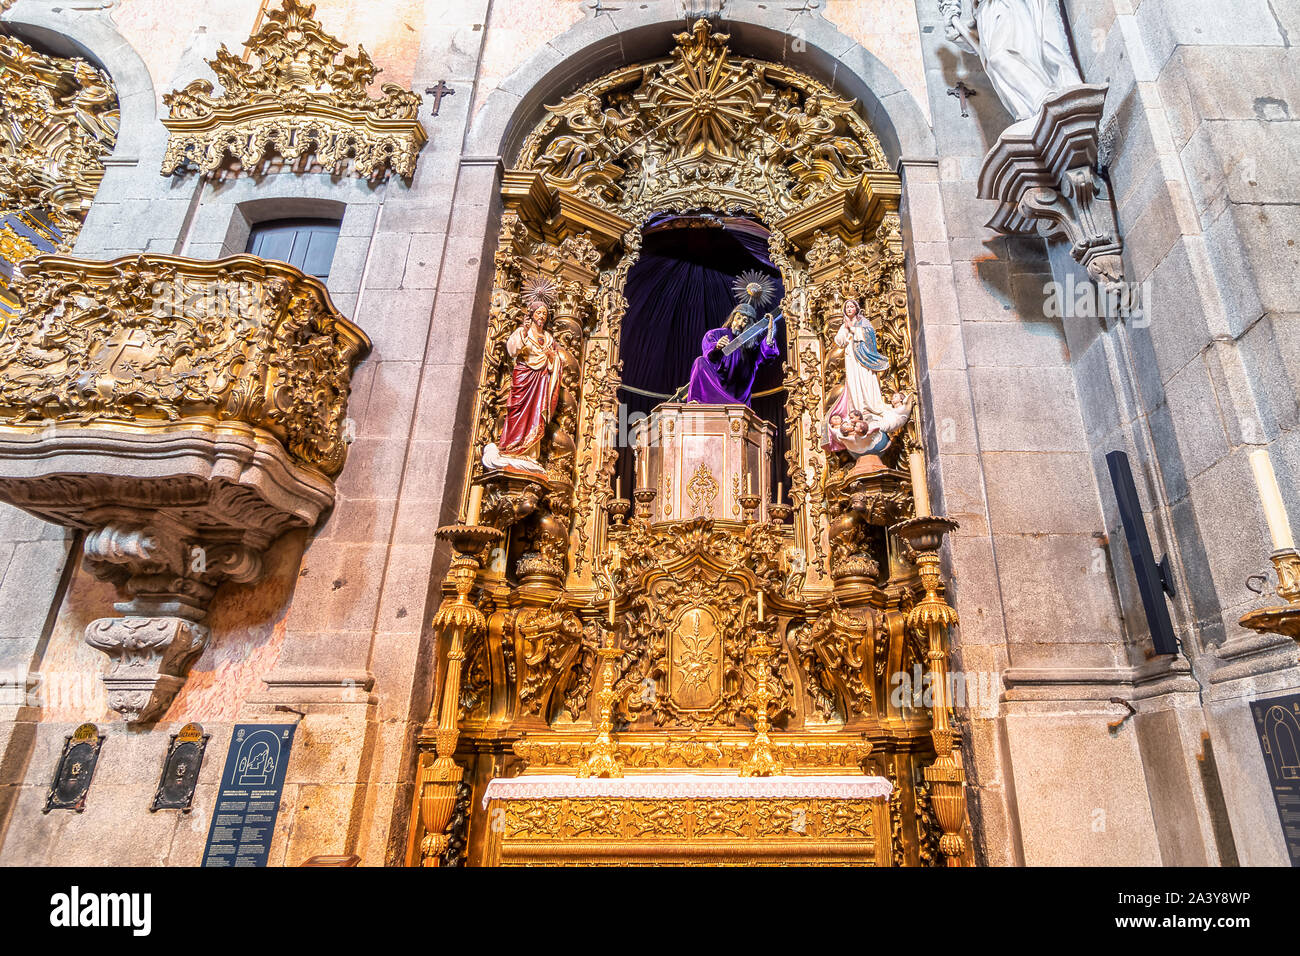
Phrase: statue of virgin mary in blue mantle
[718,378]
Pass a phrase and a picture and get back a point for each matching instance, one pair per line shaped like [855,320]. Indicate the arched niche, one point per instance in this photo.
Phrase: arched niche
[701,132]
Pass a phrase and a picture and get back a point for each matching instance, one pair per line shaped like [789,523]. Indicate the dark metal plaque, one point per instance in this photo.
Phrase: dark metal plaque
[1277,722]
[75,770]
[180,773]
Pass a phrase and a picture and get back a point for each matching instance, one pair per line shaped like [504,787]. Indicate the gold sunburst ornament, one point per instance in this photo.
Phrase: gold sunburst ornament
[754,288]
[540,291]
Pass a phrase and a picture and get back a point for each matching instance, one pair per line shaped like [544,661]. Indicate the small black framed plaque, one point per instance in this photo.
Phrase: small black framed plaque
[1277,722]
[75,770]
[180,773]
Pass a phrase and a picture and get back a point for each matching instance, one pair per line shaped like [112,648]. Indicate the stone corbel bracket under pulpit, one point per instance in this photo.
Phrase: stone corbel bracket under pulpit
[183,415]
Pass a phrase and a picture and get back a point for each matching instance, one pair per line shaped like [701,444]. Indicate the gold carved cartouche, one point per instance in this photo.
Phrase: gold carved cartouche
[300,99]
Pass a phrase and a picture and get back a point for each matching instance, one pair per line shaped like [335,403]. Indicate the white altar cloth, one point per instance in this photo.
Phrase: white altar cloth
[686,786]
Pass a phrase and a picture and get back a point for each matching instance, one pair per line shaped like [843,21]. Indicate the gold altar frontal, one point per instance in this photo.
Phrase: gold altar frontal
[688,819]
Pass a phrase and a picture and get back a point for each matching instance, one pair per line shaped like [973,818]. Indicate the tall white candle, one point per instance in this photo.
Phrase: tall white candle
[475,505]
[618,488]
[920,489]
[1279,527]
[760,607]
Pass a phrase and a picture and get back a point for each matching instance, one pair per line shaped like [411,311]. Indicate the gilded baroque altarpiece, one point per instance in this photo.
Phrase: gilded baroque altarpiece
[579,638]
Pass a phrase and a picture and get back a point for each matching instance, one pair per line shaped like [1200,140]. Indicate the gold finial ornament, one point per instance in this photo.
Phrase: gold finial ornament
[440,777]
[300,99]
[932,616]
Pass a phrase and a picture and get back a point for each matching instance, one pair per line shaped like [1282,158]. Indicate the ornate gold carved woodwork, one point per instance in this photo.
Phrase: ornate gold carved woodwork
[560,753]
[707,129]
[546,643]
[299,99]
[845,653]
[154,341]
[458,617]
[184,415]
[661,818]
[835,580]
[61,120]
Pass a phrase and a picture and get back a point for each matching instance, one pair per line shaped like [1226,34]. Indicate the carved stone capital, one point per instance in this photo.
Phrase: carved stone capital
[150,655]
[1044,176]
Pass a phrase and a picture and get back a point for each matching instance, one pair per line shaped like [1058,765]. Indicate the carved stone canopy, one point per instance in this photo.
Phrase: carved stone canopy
[300,99]
[183,415]
[1045,179]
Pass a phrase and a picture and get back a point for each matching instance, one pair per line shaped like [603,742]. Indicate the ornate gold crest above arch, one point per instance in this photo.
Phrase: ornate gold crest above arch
[300,99]
[794,617]
[61,120]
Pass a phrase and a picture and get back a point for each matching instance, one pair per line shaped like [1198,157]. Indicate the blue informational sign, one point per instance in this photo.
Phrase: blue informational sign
[243,821]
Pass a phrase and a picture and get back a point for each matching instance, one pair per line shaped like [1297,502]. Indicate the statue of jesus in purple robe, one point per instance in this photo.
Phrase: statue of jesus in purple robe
[718,379]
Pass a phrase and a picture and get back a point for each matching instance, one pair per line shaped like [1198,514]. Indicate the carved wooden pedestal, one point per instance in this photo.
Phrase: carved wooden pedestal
[684,820]
[703,459]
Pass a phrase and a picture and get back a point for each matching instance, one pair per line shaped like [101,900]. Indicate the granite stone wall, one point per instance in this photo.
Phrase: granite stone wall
[1022,406]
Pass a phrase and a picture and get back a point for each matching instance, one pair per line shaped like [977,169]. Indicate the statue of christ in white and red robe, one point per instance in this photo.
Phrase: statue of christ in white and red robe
[534,394]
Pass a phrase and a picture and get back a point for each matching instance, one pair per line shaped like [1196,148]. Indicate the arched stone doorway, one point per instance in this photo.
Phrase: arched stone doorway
[702,133]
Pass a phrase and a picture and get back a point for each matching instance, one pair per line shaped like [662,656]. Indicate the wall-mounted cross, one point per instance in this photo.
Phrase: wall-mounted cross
[600,8]
[962,92]
[438,92]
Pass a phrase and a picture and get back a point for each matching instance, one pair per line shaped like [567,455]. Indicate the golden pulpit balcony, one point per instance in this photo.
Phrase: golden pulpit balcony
[153,341]
[183,414]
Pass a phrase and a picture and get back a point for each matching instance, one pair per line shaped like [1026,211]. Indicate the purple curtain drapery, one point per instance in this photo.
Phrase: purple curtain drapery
[679,288]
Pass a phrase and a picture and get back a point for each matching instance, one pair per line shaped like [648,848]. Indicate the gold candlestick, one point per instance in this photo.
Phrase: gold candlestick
[603,759]
[644,502]
[458,617]
[749,504]
[762,760]
[1283,619]
[932,616]
[617,509]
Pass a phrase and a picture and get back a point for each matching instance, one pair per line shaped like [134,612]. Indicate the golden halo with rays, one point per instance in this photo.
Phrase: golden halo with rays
[754,286]
[540,291]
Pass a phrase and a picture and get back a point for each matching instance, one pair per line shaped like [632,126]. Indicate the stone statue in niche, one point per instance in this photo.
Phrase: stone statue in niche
[534,387]
[1022,45]
[861,422]
[731,355]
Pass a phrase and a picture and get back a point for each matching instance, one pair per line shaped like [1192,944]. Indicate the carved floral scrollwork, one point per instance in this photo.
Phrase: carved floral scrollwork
[299,99]
[844,653]
[703,128]
[61,120]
